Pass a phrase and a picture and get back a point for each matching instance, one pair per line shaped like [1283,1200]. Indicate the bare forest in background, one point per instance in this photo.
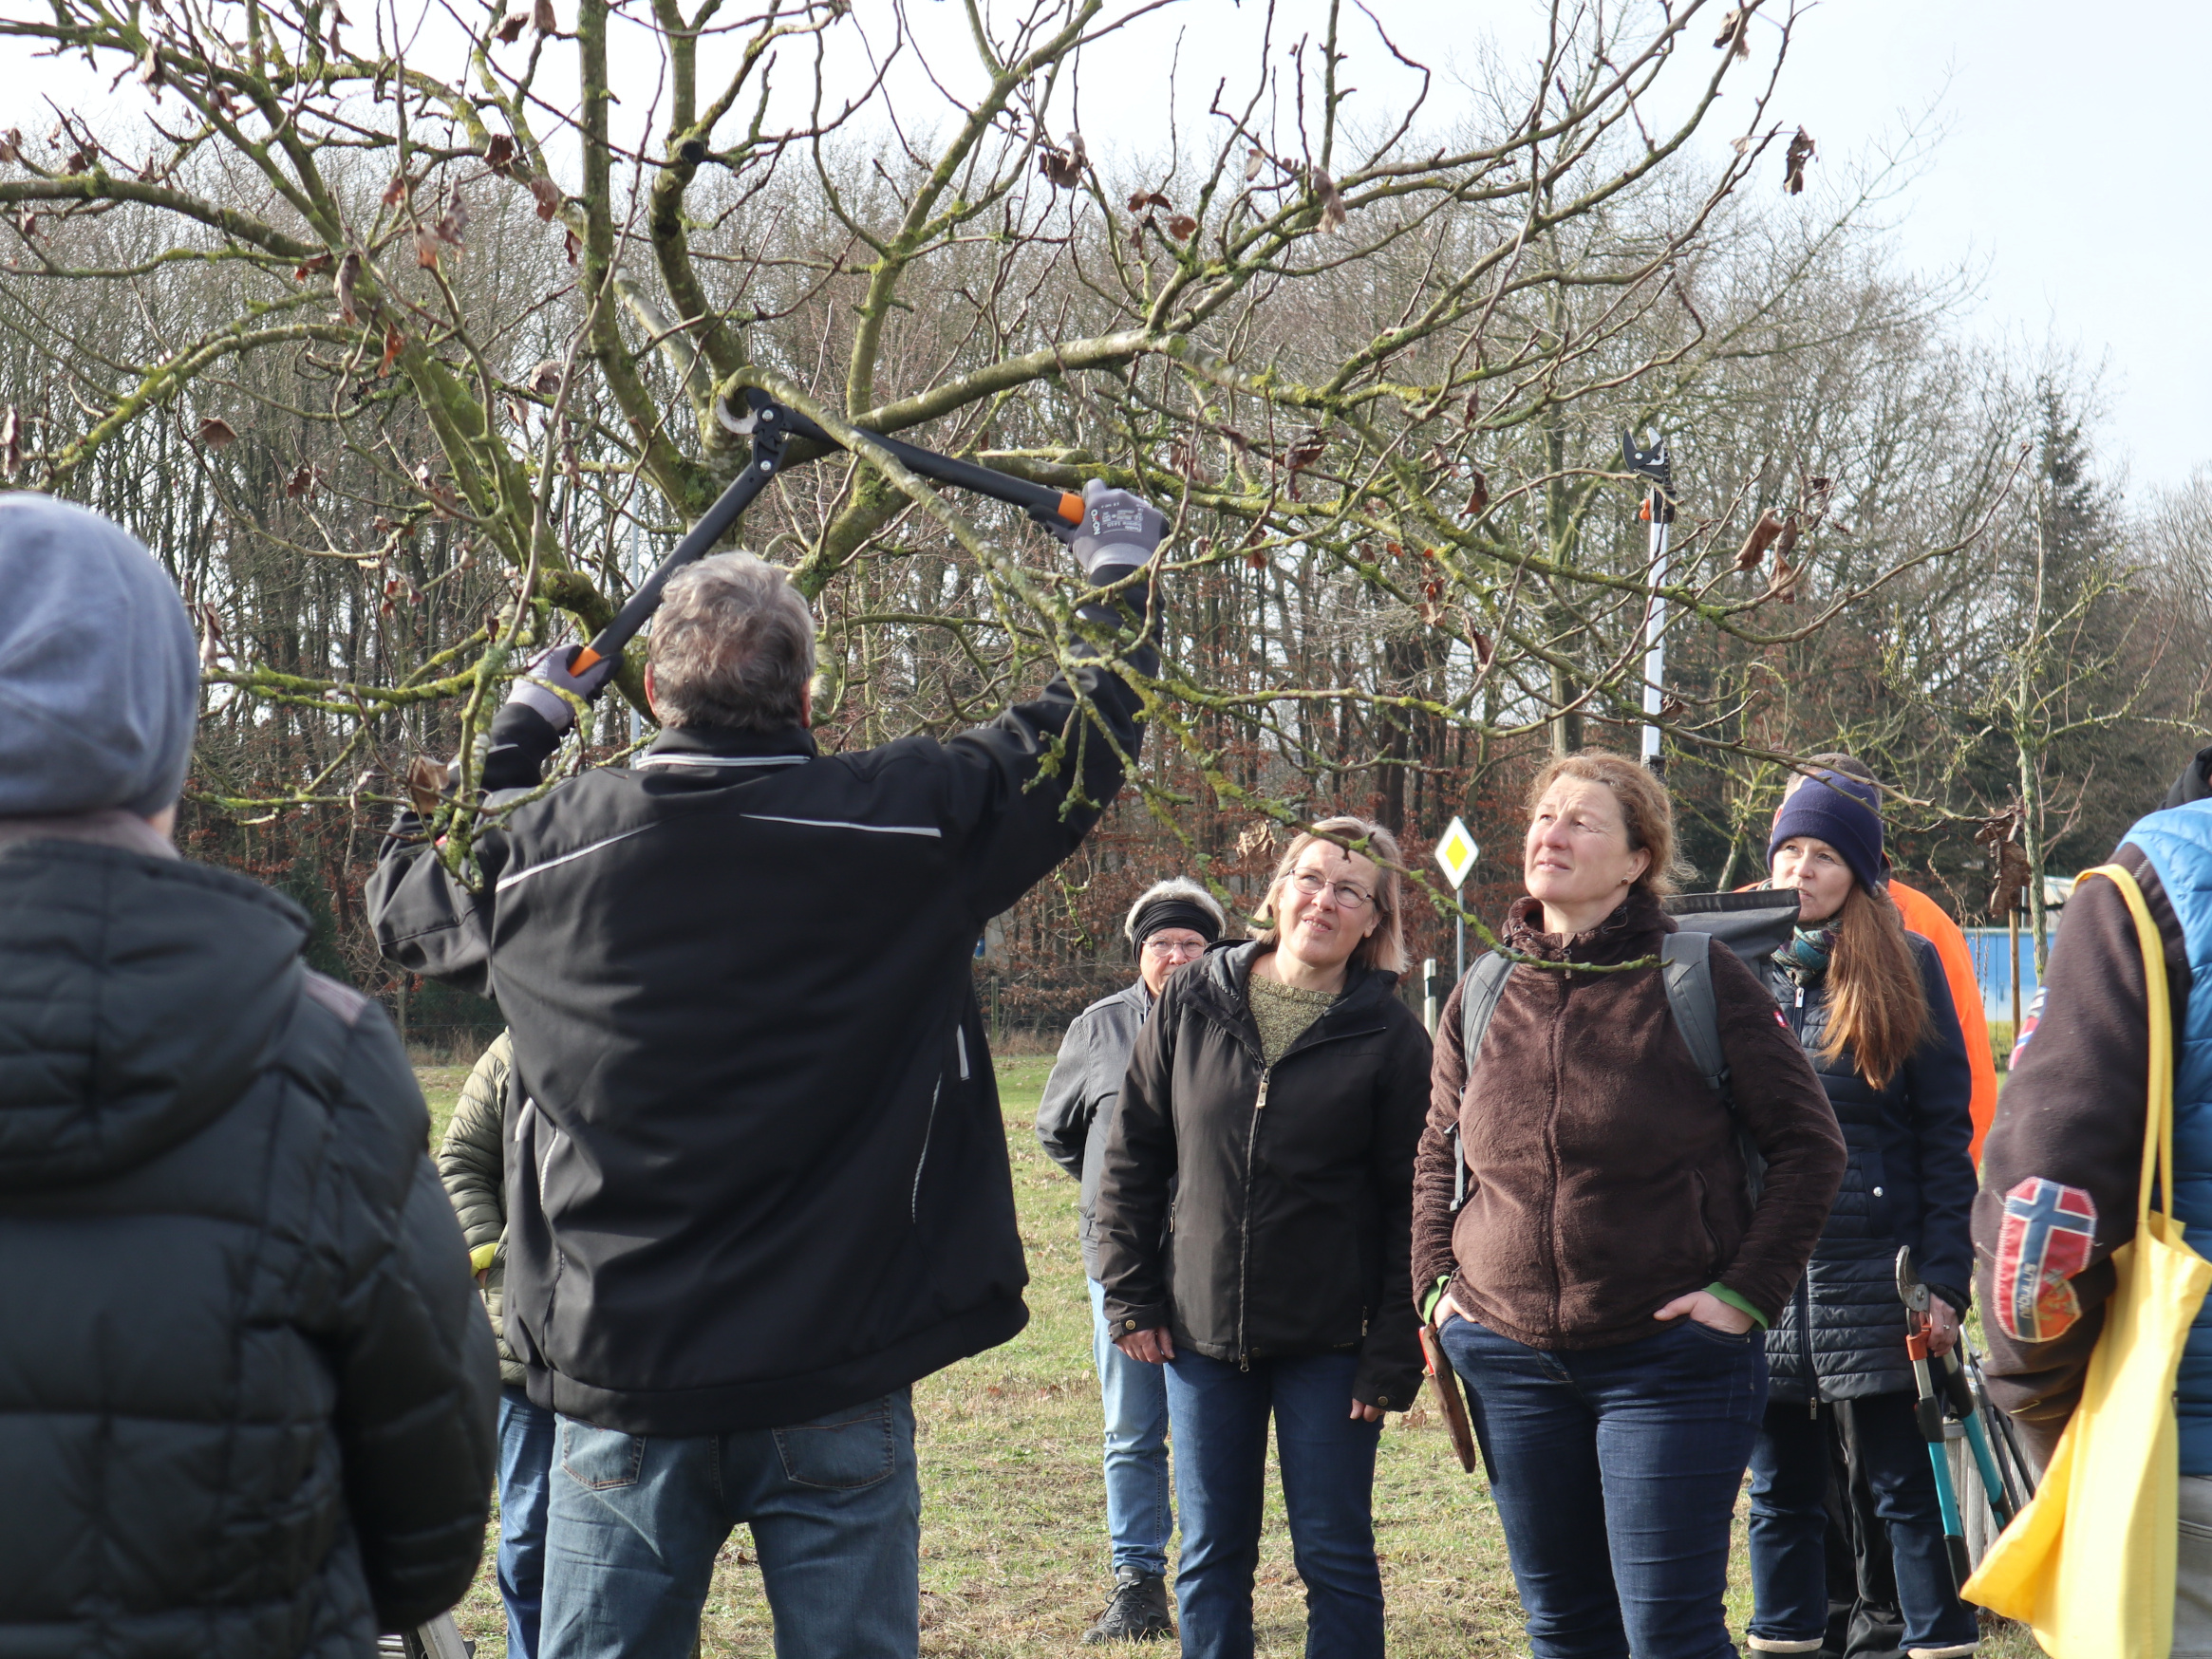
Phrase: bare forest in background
[411,348]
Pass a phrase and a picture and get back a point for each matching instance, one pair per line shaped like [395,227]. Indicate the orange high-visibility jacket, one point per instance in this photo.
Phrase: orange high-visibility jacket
[1923,916]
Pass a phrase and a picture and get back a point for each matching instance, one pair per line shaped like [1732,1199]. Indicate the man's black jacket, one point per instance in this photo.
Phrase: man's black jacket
[247,1396]
[756,1169]
[1292,1221]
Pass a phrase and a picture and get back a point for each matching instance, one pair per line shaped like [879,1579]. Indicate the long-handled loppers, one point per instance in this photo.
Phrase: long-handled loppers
[1929,1412]
[771,426]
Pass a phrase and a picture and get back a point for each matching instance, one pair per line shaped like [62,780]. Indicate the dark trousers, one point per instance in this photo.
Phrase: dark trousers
[1616,1471]
[1218,1414]
[1790,1476]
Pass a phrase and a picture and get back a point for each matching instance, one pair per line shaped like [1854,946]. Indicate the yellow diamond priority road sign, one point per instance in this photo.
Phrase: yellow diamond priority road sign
[1456,853]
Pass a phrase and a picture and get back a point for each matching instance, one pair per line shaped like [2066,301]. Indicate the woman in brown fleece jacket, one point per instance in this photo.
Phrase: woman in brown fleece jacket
[1602,1287]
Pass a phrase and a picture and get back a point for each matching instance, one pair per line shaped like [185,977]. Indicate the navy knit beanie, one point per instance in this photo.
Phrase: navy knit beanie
[1844,811]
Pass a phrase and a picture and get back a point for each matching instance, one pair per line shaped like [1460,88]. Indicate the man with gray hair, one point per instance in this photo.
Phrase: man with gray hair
[247,1405]
[1171,923]
[757,1179]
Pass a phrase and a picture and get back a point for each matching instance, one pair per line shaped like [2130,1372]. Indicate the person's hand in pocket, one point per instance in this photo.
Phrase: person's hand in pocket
[1708,1310]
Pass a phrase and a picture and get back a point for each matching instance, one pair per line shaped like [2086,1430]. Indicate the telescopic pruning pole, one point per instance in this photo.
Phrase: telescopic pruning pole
[770,425]
[1658,511]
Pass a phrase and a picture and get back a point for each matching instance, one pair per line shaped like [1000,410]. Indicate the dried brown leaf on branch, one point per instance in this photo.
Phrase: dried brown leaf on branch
[570,245]
[1143,199]
[396,190]
[306,479]
[216,433]
[348,275]
[428,246]
[1256,841]
[2012,879]
[542,18]
[1786,543]
[1756,545]
[1793,161]
[1061,168]
[1478,496]
[11,441]
[309,266]
[547,194]
[511,27]
[425,782]
[12,145]
[1308,449]
[27,224]
[1783,588]
[1743,146]
[151,75]
[499,152]
[1332,200]
[1481,645]
[211,635]
[453,225]
[1182,226]
[545,379]
[1736,30]
[394,340]
[1254,162]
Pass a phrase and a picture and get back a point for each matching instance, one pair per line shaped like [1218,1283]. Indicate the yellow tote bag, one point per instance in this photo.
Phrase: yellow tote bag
[2090,1563]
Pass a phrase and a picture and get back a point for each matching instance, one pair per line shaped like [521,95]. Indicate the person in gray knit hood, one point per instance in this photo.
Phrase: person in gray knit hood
[247,1408]
[1171,923]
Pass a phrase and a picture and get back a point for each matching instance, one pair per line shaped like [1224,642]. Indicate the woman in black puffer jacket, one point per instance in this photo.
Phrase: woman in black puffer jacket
[1274,1097]
[1870,1003]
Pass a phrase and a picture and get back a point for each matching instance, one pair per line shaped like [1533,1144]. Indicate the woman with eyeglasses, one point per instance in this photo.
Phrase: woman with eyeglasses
[1254,1221]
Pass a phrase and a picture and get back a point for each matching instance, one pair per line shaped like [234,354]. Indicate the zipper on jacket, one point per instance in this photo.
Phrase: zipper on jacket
[928,1129]
[1245,1218]
[1805,1342]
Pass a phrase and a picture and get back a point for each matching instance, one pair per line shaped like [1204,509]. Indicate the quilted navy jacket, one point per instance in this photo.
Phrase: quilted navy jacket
[1909,1181]
[247,1395]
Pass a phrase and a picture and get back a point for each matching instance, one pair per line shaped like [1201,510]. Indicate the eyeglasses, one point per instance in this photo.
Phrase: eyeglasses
[1310,882]
[1168,949]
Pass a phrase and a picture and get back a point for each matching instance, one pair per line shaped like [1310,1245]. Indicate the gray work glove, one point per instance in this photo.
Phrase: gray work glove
[1119,534]
[551,692]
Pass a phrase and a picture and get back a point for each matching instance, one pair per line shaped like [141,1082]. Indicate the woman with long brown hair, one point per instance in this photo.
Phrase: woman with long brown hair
[1871,1005]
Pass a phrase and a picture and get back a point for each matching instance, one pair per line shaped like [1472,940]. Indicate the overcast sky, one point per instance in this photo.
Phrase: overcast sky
[2063,176]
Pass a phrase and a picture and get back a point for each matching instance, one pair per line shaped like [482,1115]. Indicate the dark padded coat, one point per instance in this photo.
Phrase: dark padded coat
[247,1396]
[1292,1220]
[1908,1181]
[469,1162]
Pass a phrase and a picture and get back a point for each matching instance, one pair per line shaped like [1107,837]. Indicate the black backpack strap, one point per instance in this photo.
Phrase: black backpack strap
[1478,1000]
[1686,971]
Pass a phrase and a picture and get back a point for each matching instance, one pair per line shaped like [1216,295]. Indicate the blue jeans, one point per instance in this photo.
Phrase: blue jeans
[1790,1468]
[836,1510]
[1616,1471]
[1139,1517]
[1220,1416]
[526,1454]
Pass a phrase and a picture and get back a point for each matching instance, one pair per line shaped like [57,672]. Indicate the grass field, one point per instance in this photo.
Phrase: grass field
[1014,1558]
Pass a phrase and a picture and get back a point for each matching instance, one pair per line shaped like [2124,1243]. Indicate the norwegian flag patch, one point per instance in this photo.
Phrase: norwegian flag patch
[2048,1233]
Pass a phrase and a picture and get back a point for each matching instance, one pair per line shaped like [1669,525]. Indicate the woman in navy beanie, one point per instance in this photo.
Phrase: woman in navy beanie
[1870,1003]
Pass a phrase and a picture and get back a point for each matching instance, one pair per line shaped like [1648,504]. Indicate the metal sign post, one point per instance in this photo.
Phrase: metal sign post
[1658,510]
[1455,853]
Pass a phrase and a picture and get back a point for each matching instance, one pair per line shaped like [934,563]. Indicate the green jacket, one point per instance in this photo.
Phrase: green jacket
[468,1162]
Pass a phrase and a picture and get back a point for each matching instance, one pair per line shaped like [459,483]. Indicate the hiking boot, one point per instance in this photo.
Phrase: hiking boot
[1138,1611]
